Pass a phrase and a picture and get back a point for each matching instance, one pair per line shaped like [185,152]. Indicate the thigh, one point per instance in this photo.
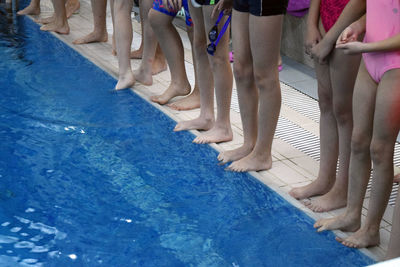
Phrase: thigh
[241,37]
[387,109]
[198,28]
[364,103]
[265,39]
[343,73]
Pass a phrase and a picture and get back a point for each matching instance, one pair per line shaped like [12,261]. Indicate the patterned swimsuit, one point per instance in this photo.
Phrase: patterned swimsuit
[330,11]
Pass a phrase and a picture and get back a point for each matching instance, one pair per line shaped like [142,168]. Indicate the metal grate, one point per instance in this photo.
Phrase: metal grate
[302,139]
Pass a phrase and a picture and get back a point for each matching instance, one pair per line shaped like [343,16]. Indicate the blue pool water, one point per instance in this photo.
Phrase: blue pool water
[89,177]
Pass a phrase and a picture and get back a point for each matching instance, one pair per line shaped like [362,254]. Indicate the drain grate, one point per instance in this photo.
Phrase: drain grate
[302,139]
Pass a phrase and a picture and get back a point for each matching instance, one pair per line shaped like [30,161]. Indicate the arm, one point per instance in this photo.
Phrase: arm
[313,35]
[351,33]
[353,11]
[348,40]
[390,44]
[225,5]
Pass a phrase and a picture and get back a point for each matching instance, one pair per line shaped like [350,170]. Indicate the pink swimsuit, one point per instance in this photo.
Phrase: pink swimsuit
[383,22]
[330,11]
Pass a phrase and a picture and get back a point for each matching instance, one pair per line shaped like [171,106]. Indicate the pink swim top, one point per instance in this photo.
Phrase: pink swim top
[383,22]
[330,11]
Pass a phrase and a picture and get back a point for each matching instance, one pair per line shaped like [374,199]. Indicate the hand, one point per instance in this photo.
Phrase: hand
[352,48]
[349,34]
[225,5]
[313,37]
[322,50]
[172,5]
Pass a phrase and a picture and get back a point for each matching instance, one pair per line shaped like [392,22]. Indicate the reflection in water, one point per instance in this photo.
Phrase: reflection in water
[12,32]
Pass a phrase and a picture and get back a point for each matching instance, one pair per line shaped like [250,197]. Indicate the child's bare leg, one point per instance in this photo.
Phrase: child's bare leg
[342,78]
[71,7]
[246,87]
[47,20]
[360,160]
[265,53]
[144,73]
[159,62]
[328,139]
[32,9]
[60,24]
[393,250]
[206,119]
[99,33]
[171,44]
[223,80]
[191,101]
[137,54]
[386,128]
[328,136]
[113,45]
[123,38]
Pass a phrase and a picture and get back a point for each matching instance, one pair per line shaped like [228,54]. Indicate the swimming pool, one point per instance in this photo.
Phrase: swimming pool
[90,177]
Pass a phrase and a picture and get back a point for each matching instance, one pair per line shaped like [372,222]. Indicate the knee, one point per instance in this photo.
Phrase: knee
[325,103]
[380,151]
[343,114]
[360,142]
[265,79]
[199,46]
[241,70]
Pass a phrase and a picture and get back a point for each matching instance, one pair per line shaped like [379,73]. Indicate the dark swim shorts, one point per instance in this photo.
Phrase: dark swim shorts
[158,5]
[261,7]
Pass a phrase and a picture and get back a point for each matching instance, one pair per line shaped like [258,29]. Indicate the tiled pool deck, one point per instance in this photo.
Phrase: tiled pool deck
[292,167]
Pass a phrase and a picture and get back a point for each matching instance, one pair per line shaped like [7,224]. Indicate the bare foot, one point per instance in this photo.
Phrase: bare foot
[251,162]
[46,20]
[363,238]
[342,222]
[191,101]
[215,135]
[334,199]
[315,188]
[137,54]
[158,66]
[72,6]
[172,91]
[144,77]
[92,37]
[30,10]
[196,124]
[56,27]
[235,154]
[396,178]
[125,81]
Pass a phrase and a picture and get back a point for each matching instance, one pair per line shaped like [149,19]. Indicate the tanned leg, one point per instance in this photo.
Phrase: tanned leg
[144,73]
[246,87]
[99,33]
[32,9]
[386,127]
[265,53]
[172,46]
[223,80]
[123,38]
[191,101]
[343,79]
[60,24]
[206,118]
[360,159]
